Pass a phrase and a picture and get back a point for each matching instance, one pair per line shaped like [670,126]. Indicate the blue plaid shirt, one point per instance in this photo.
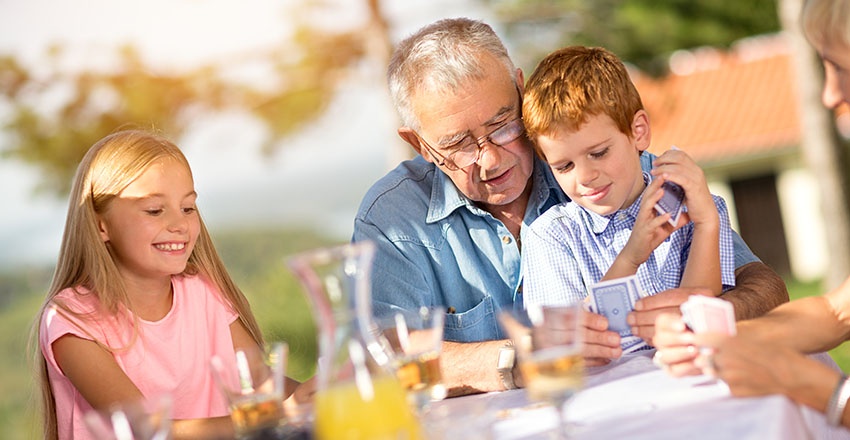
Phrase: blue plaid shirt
[568,248]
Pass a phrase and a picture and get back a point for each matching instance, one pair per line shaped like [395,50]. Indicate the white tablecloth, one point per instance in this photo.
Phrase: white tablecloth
[633,399]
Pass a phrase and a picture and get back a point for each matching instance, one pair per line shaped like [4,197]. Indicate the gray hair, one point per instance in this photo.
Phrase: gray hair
[826,21]
[441,56]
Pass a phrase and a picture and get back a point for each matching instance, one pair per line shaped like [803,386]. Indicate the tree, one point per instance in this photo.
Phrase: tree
[644,32]
[308,70]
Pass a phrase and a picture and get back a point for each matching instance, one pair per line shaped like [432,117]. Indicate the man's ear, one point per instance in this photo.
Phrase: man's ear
[411,138]
[520,81]
[641,132]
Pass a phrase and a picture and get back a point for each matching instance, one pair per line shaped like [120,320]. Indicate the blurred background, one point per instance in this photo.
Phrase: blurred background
[282,110]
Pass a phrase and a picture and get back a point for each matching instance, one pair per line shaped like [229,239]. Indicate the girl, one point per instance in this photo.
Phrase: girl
[140,300]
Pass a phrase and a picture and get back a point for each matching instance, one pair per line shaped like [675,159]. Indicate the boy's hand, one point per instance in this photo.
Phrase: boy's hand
[650,230]
[600,345]
[677,167]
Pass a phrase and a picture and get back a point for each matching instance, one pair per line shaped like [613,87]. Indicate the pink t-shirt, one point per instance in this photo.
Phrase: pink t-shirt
[170,356]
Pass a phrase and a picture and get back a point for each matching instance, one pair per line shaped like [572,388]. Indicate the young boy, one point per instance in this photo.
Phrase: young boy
[588,123]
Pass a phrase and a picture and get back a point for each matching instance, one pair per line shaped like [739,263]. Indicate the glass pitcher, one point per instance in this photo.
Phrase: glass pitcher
[357,395]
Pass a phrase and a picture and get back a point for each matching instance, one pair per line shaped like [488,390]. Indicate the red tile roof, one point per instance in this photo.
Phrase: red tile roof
[725,105]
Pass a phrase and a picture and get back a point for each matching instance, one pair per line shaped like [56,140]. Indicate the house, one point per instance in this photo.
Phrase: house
[736,113]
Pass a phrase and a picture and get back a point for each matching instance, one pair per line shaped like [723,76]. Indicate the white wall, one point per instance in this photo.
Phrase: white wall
[799,204]
[721,188]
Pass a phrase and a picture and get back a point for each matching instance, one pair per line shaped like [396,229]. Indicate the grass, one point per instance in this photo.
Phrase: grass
[797,290]
[17,419]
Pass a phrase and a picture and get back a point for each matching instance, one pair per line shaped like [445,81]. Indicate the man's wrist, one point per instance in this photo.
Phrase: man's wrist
[506,365]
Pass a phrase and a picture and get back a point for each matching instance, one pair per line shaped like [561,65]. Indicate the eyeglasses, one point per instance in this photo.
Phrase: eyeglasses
[470,148]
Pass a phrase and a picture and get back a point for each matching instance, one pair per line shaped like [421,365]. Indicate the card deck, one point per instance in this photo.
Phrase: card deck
[672,199]
[709,314]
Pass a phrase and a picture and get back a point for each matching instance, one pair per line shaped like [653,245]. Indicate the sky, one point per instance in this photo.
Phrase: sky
[317,178]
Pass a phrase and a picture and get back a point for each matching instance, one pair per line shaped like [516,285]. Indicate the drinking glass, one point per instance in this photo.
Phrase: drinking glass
[548,342]
[415,339]
[144,420]
[253,383]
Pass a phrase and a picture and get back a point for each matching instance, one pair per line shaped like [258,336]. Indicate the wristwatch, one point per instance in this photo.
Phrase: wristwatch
[505,366]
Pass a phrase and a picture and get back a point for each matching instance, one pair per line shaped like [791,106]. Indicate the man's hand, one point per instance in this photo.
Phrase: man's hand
[647,310]
[600,345]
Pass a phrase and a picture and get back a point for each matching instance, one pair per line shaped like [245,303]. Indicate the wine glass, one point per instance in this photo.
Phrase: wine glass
[141,420]
[253,383]
[548,343]
[414,340]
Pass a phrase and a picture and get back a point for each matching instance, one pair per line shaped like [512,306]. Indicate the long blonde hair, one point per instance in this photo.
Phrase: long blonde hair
[85,263]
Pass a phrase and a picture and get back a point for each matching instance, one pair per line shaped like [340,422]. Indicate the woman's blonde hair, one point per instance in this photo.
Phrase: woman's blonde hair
[826,21]
[86,265]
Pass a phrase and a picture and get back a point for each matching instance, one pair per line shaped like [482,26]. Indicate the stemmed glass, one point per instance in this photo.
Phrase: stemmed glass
[143,420]
[414,339]
[253,383]
[548,342]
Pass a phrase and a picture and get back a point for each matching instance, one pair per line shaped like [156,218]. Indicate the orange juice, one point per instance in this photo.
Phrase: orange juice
[341,413]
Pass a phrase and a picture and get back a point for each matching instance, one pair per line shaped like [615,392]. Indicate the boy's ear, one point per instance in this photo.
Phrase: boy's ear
[641,132]
[411,138]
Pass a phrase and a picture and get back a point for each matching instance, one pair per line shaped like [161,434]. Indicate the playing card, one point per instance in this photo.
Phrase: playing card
[709,314]
[671,202]
[614,299]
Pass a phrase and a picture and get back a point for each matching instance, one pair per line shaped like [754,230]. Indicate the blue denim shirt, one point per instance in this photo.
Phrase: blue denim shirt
[434,246]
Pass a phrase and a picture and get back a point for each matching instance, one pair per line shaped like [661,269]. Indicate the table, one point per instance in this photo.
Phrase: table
[633,399]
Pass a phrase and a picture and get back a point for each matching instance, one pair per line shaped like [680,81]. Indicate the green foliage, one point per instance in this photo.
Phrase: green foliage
[643,32]
[257,261]
[17,401]
[796,290]
[54,133]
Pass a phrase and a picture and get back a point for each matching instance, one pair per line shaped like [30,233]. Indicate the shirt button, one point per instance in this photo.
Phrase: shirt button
[506,239]
[621,216]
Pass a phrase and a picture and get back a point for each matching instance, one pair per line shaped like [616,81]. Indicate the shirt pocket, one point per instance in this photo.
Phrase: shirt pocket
[476,324]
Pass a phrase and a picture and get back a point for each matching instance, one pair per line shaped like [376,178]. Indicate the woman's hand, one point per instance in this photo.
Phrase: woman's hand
[676,351]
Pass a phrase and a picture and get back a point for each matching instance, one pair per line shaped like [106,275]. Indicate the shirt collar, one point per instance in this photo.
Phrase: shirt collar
[545,191]
[598,223]
[446,197]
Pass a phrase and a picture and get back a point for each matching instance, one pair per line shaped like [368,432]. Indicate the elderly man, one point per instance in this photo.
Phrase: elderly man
[448,224]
